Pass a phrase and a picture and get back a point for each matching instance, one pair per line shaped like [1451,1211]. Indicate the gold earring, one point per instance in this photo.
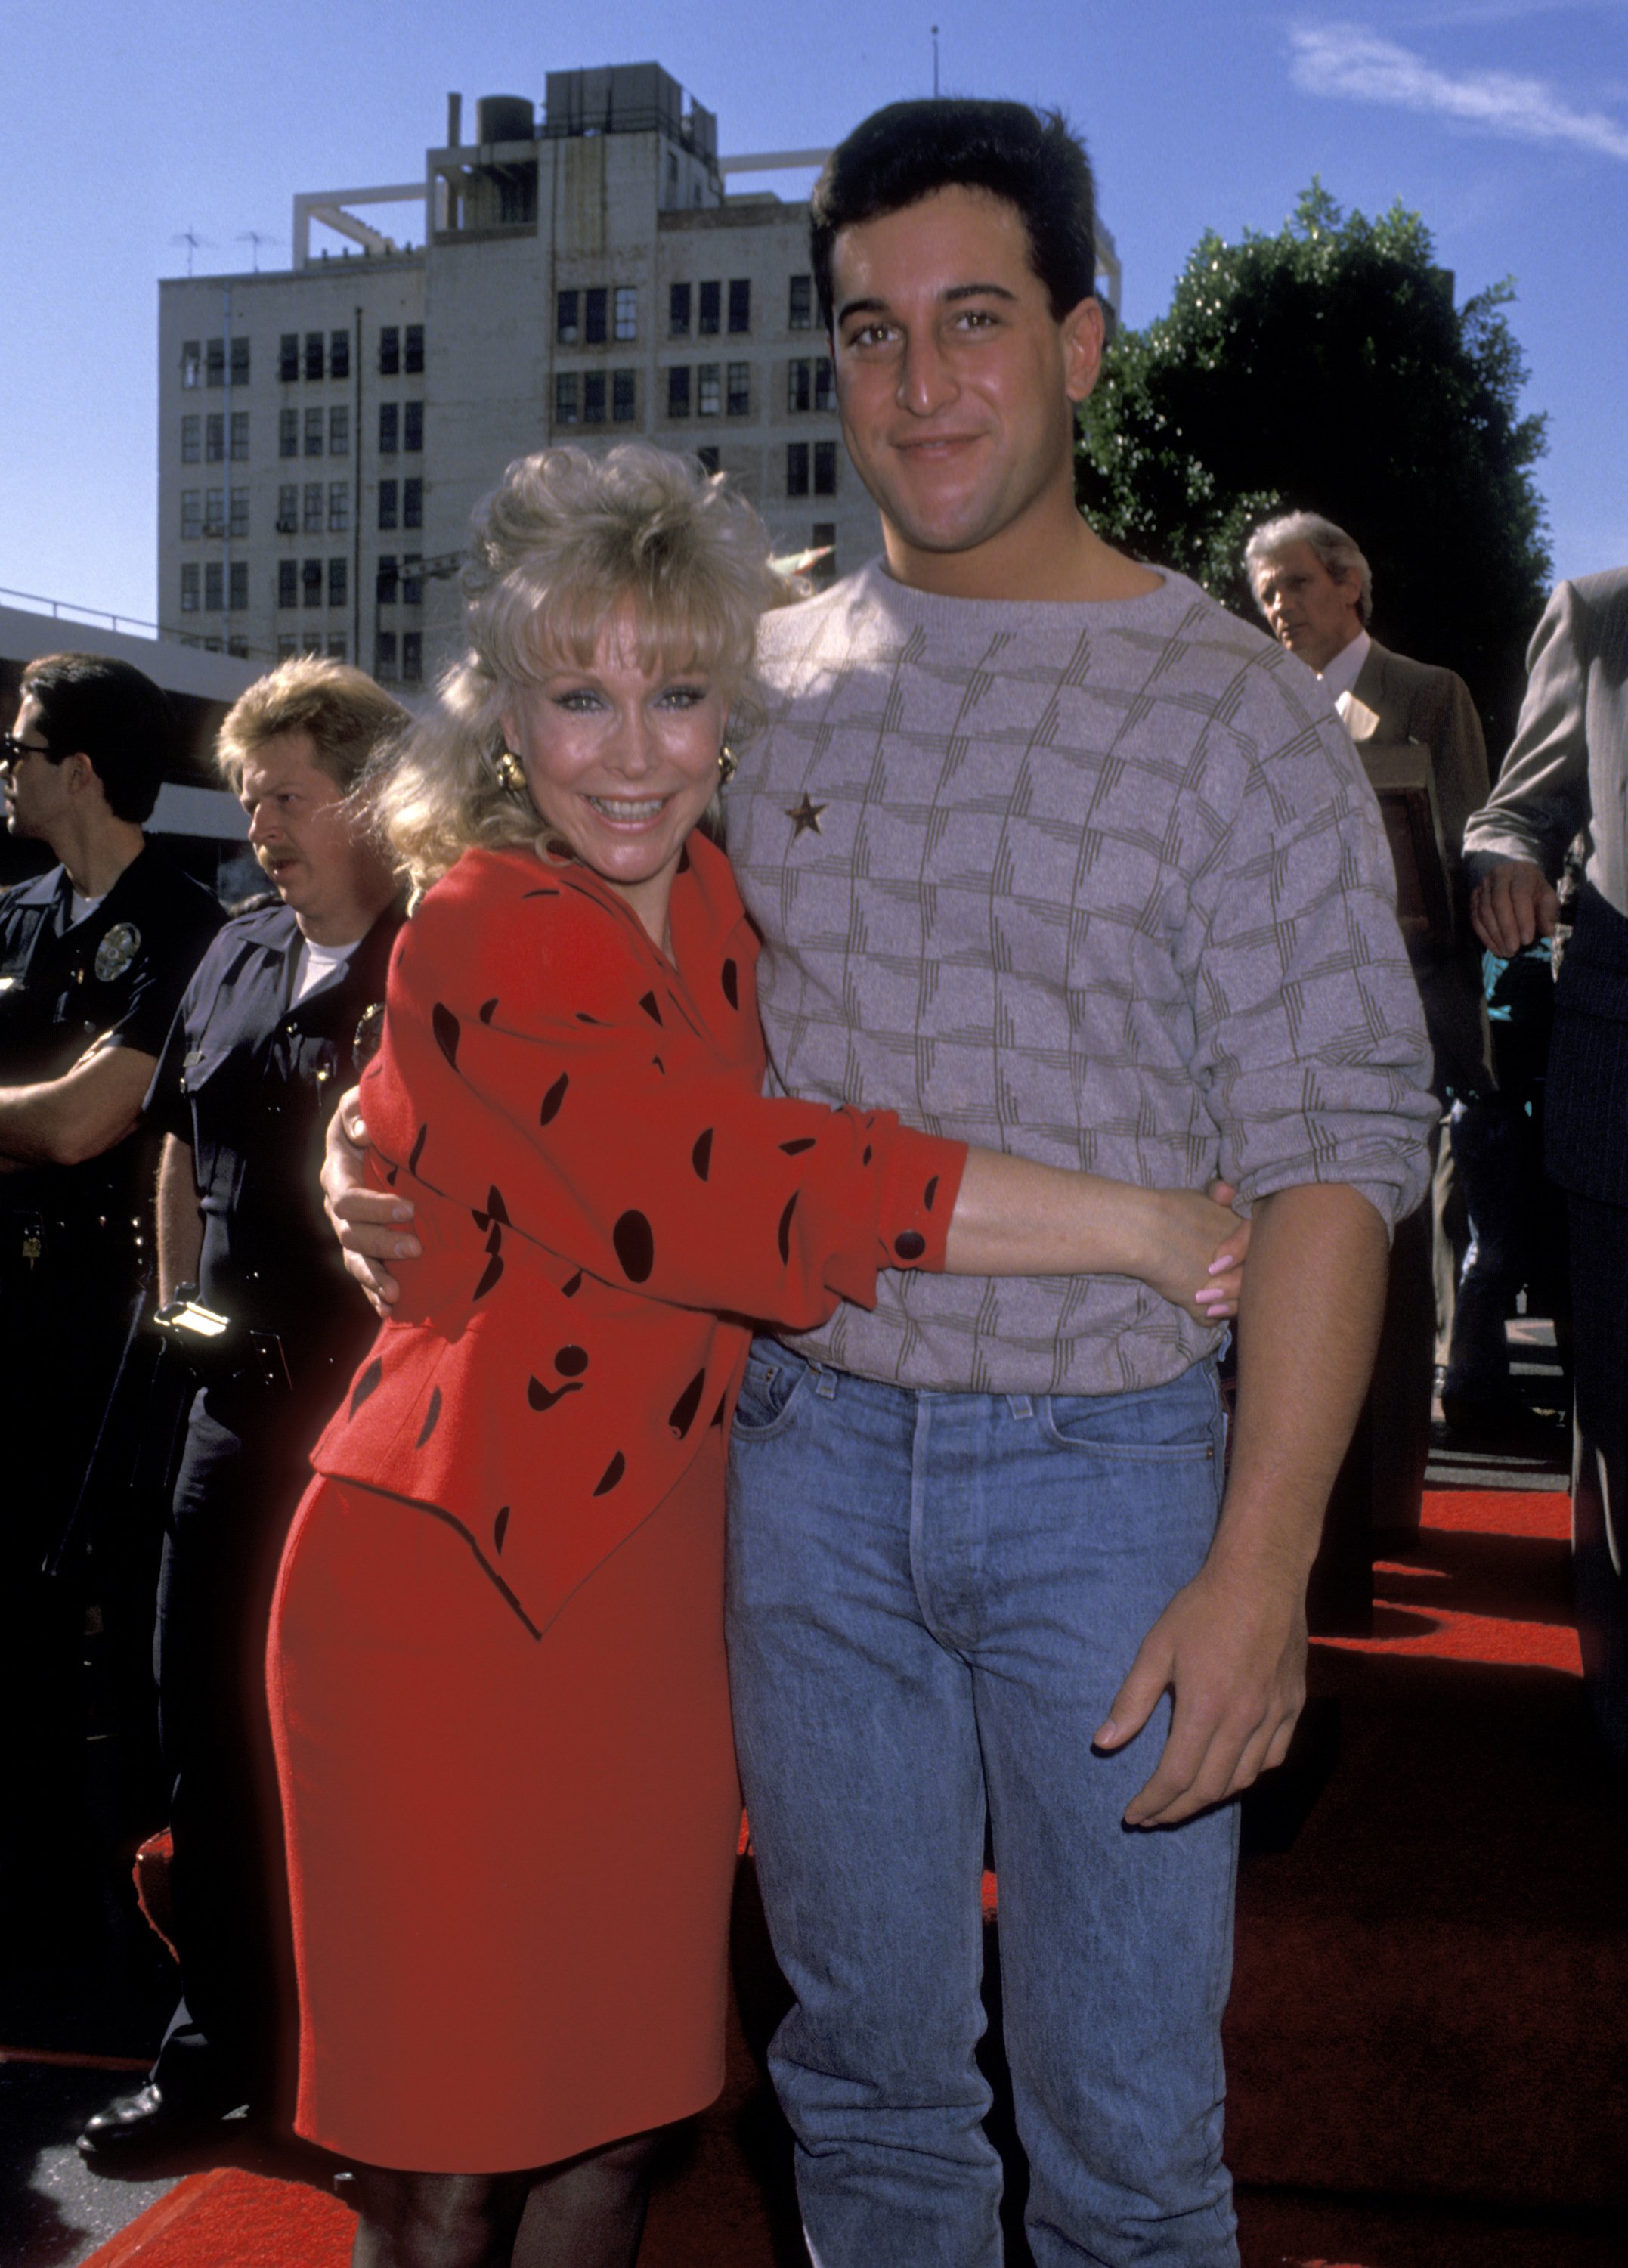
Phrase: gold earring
[728,764]
[506,764]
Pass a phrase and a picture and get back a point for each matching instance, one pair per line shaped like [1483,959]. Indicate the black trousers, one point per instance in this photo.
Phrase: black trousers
[242,1473]
[1599,1242]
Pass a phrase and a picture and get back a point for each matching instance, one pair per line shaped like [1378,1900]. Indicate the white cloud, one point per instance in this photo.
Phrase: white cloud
[1344,59]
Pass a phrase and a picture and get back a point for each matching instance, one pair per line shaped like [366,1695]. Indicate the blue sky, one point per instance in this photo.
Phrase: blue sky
[1505,123]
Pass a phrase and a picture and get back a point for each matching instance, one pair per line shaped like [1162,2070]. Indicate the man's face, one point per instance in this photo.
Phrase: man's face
[305,839]
[35,788]
[955,383]
[1315,614]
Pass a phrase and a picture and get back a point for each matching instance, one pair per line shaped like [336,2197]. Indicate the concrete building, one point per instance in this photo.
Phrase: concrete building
[325,431]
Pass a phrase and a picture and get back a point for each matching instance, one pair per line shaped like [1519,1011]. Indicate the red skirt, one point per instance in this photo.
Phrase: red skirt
[511,1858]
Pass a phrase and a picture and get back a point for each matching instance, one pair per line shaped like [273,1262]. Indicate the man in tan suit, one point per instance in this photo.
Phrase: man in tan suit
[1416,729]
[1567,773]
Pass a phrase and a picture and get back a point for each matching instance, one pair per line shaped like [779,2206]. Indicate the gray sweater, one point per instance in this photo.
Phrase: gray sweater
[1103,886]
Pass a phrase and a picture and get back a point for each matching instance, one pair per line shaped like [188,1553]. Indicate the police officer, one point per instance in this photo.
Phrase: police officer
[93,959]
[263,1046]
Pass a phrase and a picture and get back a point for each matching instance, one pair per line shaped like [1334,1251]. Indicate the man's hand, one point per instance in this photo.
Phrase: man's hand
[368,1222]
[1230,1648]
[1513,905]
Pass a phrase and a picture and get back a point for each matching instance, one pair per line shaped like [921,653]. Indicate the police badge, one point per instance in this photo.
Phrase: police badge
[118,949]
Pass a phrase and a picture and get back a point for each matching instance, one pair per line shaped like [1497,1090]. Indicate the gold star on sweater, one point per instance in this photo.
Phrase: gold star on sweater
[805,816]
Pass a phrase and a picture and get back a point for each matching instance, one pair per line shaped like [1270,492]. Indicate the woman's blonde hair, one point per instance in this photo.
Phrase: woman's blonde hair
[567,542]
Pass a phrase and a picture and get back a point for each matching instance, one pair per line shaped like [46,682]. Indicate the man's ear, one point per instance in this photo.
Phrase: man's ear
[1084,335]
[82,775]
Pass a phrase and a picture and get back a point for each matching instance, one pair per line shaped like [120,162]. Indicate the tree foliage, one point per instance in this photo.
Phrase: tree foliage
[1327,368]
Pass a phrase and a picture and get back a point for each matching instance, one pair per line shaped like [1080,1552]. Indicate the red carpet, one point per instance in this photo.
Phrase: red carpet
[1428,2044]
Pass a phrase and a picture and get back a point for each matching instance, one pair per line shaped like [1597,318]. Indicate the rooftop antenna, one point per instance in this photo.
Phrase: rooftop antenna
[193,242]
[935,63]
[257,237]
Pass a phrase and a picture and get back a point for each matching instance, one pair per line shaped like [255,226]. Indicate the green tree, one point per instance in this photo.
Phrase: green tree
[1326,368]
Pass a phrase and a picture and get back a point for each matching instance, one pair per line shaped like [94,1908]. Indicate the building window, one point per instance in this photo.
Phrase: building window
[385,580]
[412,504]
[214,587]
[824,384]
[707,319]
[389,428]
[336,649]
[678,391]
[825,468]
[738,390]
[288,510]
[189,588]
[387,503]
[241,362]
[288,644]
[413,361]
[596,309]
[288,582]
[708,393]
[191,439]
[237,525]
[593,397]
[313,354]
[385,656]
[338,507]
[313,432]
[822,573]
[287,433]
[411,656]
[192,515]
[339,432]
[626,312]
[338,587]
[389,350]
[238,586]
[565,398]
[740,302]
[796,468]
[215,438]
[799,385]
[413,426]
[192,365]
[624,396]
[215,363]
[288,356]
[214,512]
[310,581]
[239,437]
[311,523]
[678,312]
[708,459]
[800,305]
[567,331]
[412,580]
[339,353]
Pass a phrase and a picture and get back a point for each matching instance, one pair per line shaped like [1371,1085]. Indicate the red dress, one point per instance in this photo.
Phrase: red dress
[496,1659]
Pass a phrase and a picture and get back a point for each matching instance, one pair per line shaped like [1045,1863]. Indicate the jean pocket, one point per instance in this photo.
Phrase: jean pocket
[768,1395]
[1154,1428]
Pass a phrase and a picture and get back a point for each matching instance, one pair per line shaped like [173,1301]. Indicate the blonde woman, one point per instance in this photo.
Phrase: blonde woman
[497,1664]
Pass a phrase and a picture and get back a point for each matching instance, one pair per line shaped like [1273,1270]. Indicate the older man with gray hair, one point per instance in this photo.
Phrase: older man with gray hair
[1416,729]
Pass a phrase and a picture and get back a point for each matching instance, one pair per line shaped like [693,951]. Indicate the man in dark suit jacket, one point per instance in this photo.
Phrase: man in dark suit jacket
[1416,729]
[1567,773]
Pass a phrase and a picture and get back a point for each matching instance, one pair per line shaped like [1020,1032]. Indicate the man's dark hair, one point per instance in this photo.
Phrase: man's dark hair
[901,154]
[107,710]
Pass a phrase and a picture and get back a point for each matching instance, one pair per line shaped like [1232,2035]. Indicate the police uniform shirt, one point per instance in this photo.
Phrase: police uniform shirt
[117,974]
[249,1077]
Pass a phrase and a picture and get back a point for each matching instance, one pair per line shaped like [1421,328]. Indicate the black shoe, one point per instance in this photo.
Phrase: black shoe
[149,2125]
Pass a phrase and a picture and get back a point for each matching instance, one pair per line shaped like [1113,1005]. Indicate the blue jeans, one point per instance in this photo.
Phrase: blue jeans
[933,1600]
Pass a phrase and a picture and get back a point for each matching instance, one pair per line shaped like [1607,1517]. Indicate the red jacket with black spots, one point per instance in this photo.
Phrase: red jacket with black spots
[606,1204]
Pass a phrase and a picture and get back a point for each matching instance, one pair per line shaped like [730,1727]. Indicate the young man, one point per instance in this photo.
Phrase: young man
[262,1047]
[94,955]
[1048,852]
